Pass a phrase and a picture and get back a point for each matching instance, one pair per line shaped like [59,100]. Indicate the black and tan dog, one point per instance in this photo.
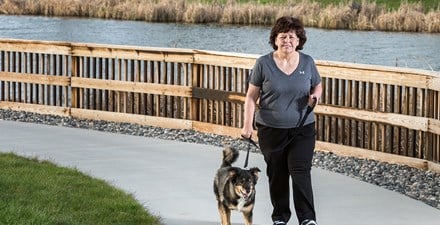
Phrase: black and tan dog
[234,188]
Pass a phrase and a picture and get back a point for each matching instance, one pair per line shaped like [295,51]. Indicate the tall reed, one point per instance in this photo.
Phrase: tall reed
[409,17]
[200,13]
[354,14]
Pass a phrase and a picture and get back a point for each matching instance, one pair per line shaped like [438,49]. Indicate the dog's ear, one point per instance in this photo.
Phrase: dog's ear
[232,172]
[255,171]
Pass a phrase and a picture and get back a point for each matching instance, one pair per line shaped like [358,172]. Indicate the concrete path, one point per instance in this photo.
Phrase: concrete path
[174,179]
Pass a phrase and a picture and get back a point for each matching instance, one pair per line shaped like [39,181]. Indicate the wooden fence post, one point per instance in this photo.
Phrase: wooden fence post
[195,82]
[74,91]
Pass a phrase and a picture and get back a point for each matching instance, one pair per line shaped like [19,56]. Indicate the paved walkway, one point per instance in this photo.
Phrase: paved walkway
[174,179]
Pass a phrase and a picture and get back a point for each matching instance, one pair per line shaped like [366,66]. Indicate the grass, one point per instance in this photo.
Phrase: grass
[39,192]
[390,4]
[407,16]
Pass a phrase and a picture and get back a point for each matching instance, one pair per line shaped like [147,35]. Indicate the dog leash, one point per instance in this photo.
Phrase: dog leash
[303,120]
[309,110]
[250,141]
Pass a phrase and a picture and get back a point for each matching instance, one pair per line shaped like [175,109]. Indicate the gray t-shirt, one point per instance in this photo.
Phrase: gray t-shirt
[283,98]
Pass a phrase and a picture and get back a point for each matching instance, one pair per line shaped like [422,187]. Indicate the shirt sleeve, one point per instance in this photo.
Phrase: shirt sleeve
[257,74]
[316,77]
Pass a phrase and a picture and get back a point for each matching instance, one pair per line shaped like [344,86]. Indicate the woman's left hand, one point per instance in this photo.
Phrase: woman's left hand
[313,100]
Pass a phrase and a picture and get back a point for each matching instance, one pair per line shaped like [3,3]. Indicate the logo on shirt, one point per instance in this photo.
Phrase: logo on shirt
[301,72]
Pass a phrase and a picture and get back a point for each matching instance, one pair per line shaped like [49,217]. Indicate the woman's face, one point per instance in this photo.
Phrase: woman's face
[287,42]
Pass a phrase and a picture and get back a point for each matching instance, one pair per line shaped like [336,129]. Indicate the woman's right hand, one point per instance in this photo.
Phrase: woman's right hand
[246,132]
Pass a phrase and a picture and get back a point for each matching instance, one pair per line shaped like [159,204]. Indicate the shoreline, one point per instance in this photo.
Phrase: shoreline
[364,16]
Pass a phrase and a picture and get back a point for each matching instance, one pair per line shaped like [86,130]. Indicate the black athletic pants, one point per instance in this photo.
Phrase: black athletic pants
[288,154]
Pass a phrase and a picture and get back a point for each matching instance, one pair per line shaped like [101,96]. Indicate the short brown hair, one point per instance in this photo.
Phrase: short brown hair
[285,24]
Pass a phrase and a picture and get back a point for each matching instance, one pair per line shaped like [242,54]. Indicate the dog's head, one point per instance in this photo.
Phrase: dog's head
[244,181]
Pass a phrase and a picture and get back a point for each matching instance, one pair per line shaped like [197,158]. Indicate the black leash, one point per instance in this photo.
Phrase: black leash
[309,110]
[248,149]
[303,120]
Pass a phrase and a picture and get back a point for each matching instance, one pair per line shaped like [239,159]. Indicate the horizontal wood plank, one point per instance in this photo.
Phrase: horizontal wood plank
[349,151]
[45,47]
[435,167]
[379,68]
[131,118]
[136,87]
[34,108]
[216,129]
[411,122]
[434,83]
[374,76]
[434,126]
[35,78]
[218,95]
[90,51]
[236,61]
[133,52]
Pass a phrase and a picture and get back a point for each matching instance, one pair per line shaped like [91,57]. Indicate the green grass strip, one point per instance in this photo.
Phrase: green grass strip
[39,192]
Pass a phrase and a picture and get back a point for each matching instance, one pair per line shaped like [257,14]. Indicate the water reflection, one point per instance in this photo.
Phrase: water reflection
[415,50]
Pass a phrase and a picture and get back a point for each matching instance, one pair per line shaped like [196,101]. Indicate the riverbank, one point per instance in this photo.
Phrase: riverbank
[352,15]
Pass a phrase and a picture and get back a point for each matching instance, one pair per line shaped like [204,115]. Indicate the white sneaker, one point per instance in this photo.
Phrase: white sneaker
[308,222]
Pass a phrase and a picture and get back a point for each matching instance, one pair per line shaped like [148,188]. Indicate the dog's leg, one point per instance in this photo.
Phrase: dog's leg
[225,214]
[247,217]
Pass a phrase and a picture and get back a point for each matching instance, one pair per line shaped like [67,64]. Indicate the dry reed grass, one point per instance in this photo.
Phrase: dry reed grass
[200,13]
[409,17]
[248,14]
[364,15]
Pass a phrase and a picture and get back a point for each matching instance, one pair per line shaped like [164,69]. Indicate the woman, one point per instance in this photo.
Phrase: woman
[285,80]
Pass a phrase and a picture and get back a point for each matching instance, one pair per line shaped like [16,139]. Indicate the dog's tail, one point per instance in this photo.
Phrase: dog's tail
[230,155]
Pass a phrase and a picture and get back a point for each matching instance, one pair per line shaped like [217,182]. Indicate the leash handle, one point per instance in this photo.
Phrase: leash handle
[309,110]
[249,139]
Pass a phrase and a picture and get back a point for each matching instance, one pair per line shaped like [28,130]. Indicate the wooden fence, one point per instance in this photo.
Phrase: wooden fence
[384,113]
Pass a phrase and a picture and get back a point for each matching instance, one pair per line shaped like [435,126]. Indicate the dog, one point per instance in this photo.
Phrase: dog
[234,188]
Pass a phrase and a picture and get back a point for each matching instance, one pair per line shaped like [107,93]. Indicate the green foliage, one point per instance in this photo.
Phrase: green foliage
[38,192]
[394,4]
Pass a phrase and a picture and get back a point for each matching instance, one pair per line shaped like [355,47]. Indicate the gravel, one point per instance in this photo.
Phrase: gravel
[415,183]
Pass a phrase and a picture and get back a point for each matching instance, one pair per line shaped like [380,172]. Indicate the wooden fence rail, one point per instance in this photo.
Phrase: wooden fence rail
[378,112]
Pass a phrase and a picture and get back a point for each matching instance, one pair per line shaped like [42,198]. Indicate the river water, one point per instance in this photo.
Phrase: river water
[413,50]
